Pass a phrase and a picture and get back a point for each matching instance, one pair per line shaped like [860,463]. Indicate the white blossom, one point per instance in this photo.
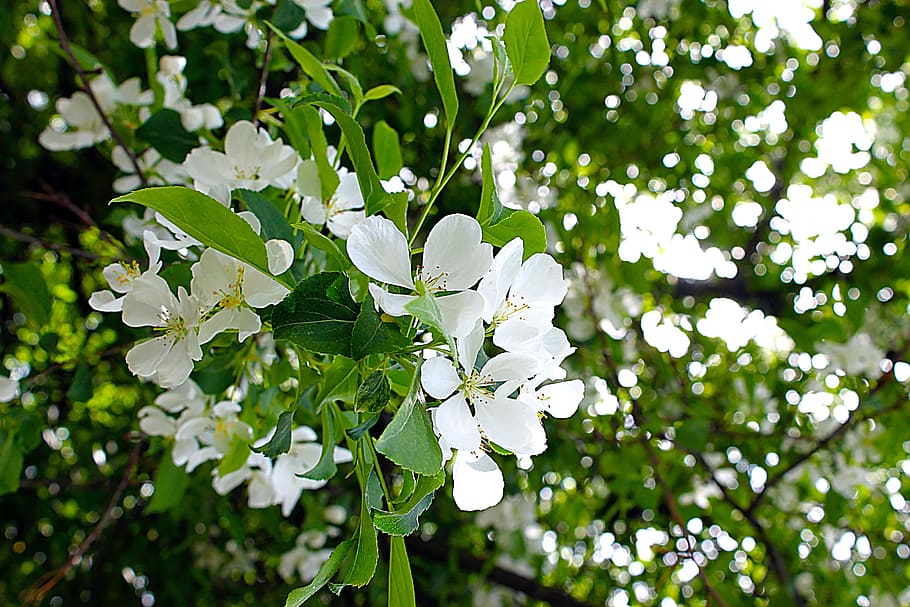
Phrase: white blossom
[149,15]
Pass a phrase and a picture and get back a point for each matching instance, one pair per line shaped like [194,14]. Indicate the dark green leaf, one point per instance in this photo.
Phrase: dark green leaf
[409,440]
[373,393]
[339,382]
[10,463]
[434,41]
[318,315]
[373,336]
[328,177]
[425,309]
[526,42]
[387,149]
[164,131]
[299,596]
[311,66]
[405,520]
[288,15]
[281,440]
[81,389]
[323,243]
[342,37]
[236,456]
[325,468]
[359,430]
[521,224]
[401,584]
[170,484]
[24,283]
[273,222]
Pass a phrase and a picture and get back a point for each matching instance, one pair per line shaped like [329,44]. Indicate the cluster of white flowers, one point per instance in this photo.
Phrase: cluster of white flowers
[496,400]
[204,431]
[223,295]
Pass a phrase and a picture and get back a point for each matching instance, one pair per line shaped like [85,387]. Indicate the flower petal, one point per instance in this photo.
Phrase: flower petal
[460,311]
[454,256]
[456,424]
[561,399]
[280,255]
[495,285]
[478,482]
[380,251]
[439,377]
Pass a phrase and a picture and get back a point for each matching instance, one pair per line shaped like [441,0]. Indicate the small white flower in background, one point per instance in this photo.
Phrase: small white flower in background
[155,169]
[211,436]
[317,12]
[454,259]
[81,125]
[344,208]
[157,420]
[167,358]
[250,160]
[9,389]
[305,558]
[173,82]
[234,18]
[121,276]
[256,471]
[303,455]
[858,357]
[150,14]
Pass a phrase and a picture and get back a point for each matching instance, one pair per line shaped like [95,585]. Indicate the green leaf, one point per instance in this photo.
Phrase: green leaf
[387,149]
[288,15]
[350,82]
[373,393]
[10,463]
[323,243]
[171,482]
[325,468]
[359,430]
[425,309]
[342,37]
[335,100]
[526,42]
[214,374]
[308,62]
[273,222]
[366,556]
[293,126]
[318,315]
[235,457]
[281,440]
[521,224]
[26,427]
[328,177]
[81,389]
[299,596]
[381,92]
[25,284]
[373,336]
[488,192]
[339,382]
[164,131]
[409,440]
[406,519]
[206,220]
[434,41]
[401,584]
[374,196]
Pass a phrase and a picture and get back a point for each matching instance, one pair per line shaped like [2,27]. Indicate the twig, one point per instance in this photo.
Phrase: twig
[47,582]
[65,45]
[47,244]
[677,517]
[263,76]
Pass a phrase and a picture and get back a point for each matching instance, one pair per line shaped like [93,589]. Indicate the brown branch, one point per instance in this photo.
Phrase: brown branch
[504,577]
[263,77]
[48,581]
[86,87]
[47,244]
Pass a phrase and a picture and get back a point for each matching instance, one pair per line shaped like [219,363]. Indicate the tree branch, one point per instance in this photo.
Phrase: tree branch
[263,76]
[86,87]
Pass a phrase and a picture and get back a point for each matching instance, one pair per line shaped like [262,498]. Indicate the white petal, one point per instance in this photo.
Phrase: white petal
[540,281]
[380,251]
[460,311]
[218,323]
[144,358]
[562,399]
[469,347]
[495,285]
[313,211]
[510,366]
[148,301]
[391,303]
[105,301]
[439,377]
[280,255]
[341,224]
[348,195]
[509,423]
[308,180]
[456,424]
[175,368]
[260,290]
[454,256]
[9,389]
[477,480]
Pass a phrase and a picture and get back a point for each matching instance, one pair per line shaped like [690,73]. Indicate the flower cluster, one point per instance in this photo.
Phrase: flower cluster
[485,400]
[205,431]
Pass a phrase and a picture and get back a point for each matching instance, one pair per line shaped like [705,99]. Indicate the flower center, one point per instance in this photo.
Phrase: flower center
[512,307]
[232,297]
[435,279]
[247,173]
[131,272]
